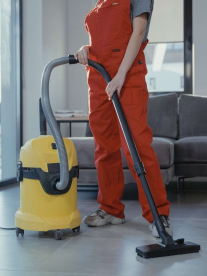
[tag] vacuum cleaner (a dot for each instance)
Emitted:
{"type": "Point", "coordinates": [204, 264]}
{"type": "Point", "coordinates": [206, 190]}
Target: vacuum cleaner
{"type": "Point", "coordinates": [168, 246]}
{"type": "Point", "coordinates": [47, 171]}
{"type": "Point", "coordinates": [48, 188]}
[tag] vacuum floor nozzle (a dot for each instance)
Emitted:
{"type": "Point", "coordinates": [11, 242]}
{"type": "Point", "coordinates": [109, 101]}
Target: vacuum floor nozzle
{"type": "Point", "coordinates": [160, 250]}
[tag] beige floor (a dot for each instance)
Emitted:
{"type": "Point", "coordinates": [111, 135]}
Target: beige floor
{"type": "Point", "coordinates": [108, 250]}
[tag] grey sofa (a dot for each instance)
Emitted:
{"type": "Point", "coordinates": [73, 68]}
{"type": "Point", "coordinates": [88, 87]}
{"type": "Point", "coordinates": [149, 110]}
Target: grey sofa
{"type": "Point", "coordinates": [179, 128]}
{"type": "Point", "coordinates": [191, 147]}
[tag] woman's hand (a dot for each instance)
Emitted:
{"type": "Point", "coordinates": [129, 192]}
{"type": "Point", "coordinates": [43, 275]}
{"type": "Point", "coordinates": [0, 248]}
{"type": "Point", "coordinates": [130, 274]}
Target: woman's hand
{"type": "Point", "coordinates": [115, 84]}
{"type": "Point", "coordinates": [83, 55]}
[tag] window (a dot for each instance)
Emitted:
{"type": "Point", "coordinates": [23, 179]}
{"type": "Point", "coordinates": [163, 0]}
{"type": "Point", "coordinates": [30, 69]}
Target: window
{"type": "Point", "coordinates": [10, 87]}
{"type": "Point", "coordinates": [169, 52]}
{"type": "Point", "coordinates": [165, 64]}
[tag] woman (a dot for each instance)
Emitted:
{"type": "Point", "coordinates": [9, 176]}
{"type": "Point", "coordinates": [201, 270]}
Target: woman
{"type": "Point", "coordinates": [117, 41]}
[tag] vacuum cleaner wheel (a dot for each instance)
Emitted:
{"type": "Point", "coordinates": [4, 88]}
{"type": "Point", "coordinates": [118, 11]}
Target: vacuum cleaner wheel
{"type": "Point", "coordinates": [77, 229]}
{"type": "Point", "coordinates": [19, 231]}
{"type": "Point", "coordinates": [58, 235]}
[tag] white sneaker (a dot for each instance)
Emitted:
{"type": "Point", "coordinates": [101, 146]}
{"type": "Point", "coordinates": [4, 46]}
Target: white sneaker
{"type": "Point", "coordinates": [100, 218]}
{"type": "Point", "coordinates": [168, 228]}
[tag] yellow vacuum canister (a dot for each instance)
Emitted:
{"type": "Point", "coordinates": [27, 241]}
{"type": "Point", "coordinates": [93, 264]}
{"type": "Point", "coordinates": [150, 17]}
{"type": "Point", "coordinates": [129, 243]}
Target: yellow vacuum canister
{"type": "Point", "coordinates": [47, 172]}
{"type": "Point", "coordinates": [42, 206]}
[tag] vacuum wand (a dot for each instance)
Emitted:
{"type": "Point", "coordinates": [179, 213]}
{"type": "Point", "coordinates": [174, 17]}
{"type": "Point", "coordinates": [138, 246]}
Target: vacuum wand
{"type": "Point", "coordinates": [168, 245]}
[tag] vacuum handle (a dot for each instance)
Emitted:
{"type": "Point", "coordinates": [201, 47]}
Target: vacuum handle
{"type": "Point", "coordinates": [73, 60]}
{"type": "Point", "coordinates": [99, 67]}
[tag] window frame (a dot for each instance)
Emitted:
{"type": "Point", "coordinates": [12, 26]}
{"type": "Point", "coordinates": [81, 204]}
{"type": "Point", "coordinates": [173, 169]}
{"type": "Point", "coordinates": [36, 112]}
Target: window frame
{"type": "Point", "coordinates": [188, 57]}
{"type": "Point", "coordinates": [19, 113]}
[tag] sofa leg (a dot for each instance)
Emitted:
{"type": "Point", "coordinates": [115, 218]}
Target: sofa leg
{"type": "Point", "coordinates": [180, 181]}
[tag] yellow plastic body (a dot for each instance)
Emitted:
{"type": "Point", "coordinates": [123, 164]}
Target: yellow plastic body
{"type": "Point", "coordinates": [38, 210]}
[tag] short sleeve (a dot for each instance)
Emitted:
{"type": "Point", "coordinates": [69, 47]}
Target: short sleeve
{"type": "Point", "coordinates": [141, 6]}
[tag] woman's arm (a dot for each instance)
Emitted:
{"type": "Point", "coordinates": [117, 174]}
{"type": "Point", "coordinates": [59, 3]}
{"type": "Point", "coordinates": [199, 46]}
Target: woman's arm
{"type": "Point", "coordinates": [139, 27]}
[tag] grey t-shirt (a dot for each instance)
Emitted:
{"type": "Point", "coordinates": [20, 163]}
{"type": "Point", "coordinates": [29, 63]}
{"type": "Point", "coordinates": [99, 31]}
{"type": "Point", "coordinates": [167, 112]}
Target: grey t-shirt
{"type": "Point", "coordinates": [138, 7]}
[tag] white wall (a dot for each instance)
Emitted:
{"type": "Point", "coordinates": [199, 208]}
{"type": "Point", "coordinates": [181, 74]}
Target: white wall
{"type": "Point", "coordinates": [200, 50]}
{"type": "Point", "coordinates": [32, 66]}
{"type": "Point", "coordinates": [55, 45]}
{"type": "Point", "coordinates": [53, 29]}
{"type": "Point", "coordinates": [77, 82]}
{"type": "Point", "coordinates": [167, 21]}
{"type": "Point", "coordinates": [45, 37]}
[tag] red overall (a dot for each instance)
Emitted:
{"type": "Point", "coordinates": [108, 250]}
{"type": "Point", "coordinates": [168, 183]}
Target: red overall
{"type": "Point", "coordinates": [109, 27]}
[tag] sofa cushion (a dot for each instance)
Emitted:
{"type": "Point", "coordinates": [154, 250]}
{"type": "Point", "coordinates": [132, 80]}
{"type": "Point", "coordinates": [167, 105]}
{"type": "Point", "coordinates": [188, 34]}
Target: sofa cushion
{"type": "Point", "coordinates": [190, 170]}
{"type": "Point", "coordinates": [164, 148]}
{"type": "Point", "coordinates": [163, 115]}
{"type": "Point", "coordinates": [85, 148]}
{"type": "Point", "coordinates": [85, 151]}
{"type": "Point", "coordinates": [88, 132]}
{"type": "Point", "coordinates": [192, 116]}
{"type": "Point", "coordinates": [191, 150]}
